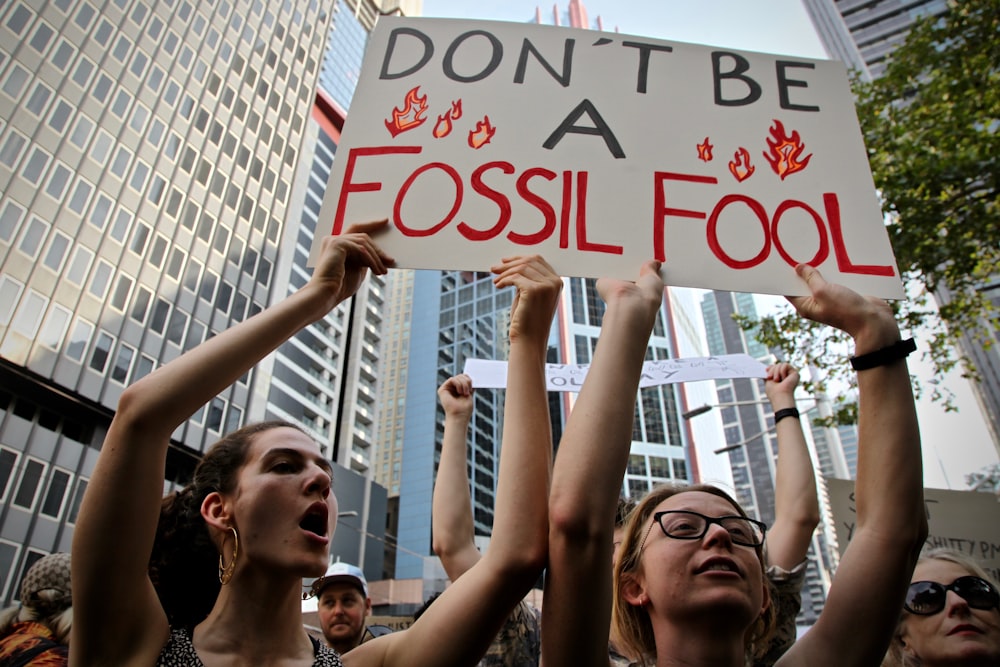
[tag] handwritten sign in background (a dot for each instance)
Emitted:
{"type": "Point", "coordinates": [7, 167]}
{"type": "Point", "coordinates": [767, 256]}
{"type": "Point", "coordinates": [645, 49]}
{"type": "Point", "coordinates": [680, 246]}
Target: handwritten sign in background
{"type": "Point", "coordinates": [486, 373]}
{"type": "Point", "coordinates": [480, 140]}
{"type": "Point", "coordinates": [966, 521]}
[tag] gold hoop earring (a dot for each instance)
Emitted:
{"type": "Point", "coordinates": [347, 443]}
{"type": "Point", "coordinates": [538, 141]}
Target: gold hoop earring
{"type": "Point", "coordinates": [226, 571]}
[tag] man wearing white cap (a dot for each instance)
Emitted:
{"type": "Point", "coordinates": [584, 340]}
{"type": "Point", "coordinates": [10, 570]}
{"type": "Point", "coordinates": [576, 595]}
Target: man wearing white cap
{"type": "Point", "coordinates": [342, 605]}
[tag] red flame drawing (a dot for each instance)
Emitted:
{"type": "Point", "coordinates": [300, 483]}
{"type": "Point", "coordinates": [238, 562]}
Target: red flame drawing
{"type": "Point", "coordinates": [740, 166]}
{"type": "Point", "coordinates": [482, 134]}
{"type": "Point", "coordinates": [410, 116]}
{"type": "Point", "coordinates": [786, 151]}
{"type": "Point", "coordinates": [444, 124]}
{"type": "Point", "coordinates": [705, 151]}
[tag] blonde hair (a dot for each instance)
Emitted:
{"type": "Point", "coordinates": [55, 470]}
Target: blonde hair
{"type": "Point", "coordinates": [896, 656]}
{"type": "Point", "coordinates": [632, 631]}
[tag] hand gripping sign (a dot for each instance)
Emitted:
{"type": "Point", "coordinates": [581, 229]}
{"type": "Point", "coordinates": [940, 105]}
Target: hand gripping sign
{"type": "Point", "coordinates": [480, 140]}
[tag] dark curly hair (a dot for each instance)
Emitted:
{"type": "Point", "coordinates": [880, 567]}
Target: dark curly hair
{"type": "Point", "coordinates": [184, 564]}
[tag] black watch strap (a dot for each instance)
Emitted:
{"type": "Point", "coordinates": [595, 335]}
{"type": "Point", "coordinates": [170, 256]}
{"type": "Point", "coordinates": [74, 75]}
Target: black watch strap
{"type": "Point", "coordinates": [884, 355]}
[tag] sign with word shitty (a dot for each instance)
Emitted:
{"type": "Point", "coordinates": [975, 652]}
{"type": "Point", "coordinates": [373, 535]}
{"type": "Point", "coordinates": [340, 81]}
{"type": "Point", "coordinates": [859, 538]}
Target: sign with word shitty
{"type": "Point", "coordinates": [480, 140]}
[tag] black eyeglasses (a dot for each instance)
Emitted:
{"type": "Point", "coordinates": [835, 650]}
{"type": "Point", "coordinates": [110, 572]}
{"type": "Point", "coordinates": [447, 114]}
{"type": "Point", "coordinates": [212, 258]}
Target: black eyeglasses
{"type": "Point", "coordinates": [928, 597]}
{"type": "Point", "coordinates": [687, 525]}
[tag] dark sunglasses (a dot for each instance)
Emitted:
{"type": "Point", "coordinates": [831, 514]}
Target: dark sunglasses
{"type": "Point", "coordinates": [928, 597]}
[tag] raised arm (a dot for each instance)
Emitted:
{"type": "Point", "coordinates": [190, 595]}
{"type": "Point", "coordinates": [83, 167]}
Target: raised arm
{"type": "Point", "coordinates": [796, 505]}
{"type": "Point", "coordinates": [458, 628]}
{"type": "Point", "coordinates": [451, 510]}
{"type": "Point", "coordinates": [866, 597]}
{"type": "Point", "coordinates": [118, 617]}
{"type": "Point", "coordinates": [587, 477]}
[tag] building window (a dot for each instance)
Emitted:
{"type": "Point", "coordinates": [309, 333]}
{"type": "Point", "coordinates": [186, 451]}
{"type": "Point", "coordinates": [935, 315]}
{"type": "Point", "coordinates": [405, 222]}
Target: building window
{"type": "Point", "coordinates": [123, 363]}
{"type": "Point", "coordinates": [55, 327]}
{"type": "Point", "coordinates": [54, 497]}
{"type": "Point", "coordinates": [141, 305]}
{"type": "Point", "coordinates": [101, 279]}
{"type": "Point", "coordinates": [143, 368]}
{"type": "Point", "coordinates": [29, 315]}
{"type": "Point", "coordinates": [99, 214]}
{"type": "Point", "coordinates": [119, 299]}
{"type": "Point", "coordinates": [158, 251]}
{"type": "Point", "coordinates": [74, 508]}
{"type": "Point", "coordinates": [12, 149]}
{"type": "Point", "coordinates": [35, 165]}
{"type": "Point", "coordinates": [80, 265]}
{"type": "Point", "coordinates": [81, 197]}
{"type": "Point", "coordinates": [27, 489]}
{"type": "Point", "coordinates": [13, 85]}
{"type": "Point", "coordinates": [215, 411]}
{"type": "Point", "coordinates": [58, 180]}
{"type": "Point", "coordinates": [33, 237]}
{"type": "Point", "coordinates": [120, 227]}
{"type": "Point", "coordinates": [38, 99]}
{"type": "Point", "coordinates": [8, 459]}
{"type": "Point", "coordinates": [102, 350]}
{"type": "Point", "coordinates": [79, 339]}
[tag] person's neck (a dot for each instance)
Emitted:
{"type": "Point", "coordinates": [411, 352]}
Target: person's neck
{"type": "Point", "coordinates": [258, 622]}
{"type": "Point", "coordinates": [698, 645]}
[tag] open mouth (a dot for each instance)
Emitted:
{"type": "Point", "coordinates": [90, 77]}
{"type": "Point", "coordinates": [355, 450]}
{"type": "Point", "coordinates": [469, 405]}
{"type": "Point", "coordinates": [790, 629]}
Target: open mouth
{"type": "Point", "coordinates": [316, 520]}
{"type": "Point", "coordinates": [719, 565]}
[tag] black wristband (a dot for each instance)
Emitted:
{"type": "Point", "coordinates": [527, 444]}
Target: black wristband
{"type": "Point", "coordinates": [884, 355]}
{"type": "Point", "coordinates": [785, 412]}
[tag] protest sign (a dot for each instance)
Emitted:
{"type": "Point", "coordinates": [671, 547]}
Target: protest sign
{"type": "Point", "coordinates": [966, 521]}
{"type": "Point", "coordinates": [481, 140]}
{"type": "Point", "coordinates": [489, 374]}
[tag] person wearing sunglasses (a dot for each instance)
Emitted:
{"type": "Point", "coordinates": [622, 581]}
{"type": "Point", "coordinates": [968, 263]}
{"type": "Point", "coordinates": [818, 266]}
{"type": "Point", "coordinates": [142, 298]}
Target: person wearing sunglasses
{"type": "Point", "coordinates": [951, 616]}
{"type": "Point", "coordinates": [690, 585]}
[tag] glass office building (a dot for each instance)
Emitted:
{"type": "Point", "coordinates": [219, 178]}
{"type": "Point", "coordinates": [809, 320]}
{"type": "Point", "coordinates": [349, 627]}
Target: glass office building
{"type": "Point", "coordinates": [148, 160]}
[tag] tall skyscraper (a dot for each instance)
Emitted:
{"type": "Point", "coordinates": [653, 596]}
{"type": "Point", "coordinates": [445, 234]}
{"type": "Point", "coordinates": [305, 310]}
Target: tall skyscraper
{"type": "Point", "coordinates": [876, 28]}
{"type": "Point", "coordinates": [148, 154]}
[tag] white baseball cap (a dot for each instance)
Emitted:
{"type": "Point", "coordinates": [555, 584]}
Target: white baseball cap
{"type": "Point", "coordinates": [339, 571]}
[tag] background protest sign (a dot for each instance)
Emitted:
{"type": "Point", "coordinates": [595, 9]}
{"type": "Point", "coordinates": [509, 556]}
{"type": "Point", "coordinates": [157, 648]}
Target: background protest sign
{"type": "Point", "coordinates": [966, 521]}
{"type": "Point", "coordinates": [482, 139]}
{"type": "Point", "coordinates": [489, 374]}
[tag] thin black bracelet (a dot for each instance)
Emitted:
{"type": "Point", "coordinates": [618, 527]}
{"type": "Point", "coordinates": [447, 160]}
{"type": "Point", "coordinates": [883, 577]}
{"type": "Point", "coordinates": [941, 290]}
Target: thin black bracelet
{"type": "Point", "coordinates": [884, 355]}
{"type": "Point", "coordinates": [785, 412]}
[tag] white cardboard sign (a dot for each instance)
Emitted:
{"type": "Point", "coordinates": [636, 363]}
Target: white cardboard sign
{"type": "Point", "coordinates": [966, 521]}
{"type": "Point", "coordinates": [480, 140]}
{"type": "Point", "coordinates": [489, 374]}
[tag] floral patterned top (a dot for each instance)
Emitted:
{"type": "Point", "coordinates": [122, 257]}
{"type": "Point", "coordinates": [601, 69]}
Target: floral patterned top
{"type": "Point", "coordinates": [179, 652]}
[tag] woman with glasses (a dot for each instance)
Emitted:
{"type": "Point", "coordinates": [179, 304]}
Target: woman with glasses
{"type": "Point", "coordinates": [690, 587]}
{"type": "Point", "coordinates": [950, 617]}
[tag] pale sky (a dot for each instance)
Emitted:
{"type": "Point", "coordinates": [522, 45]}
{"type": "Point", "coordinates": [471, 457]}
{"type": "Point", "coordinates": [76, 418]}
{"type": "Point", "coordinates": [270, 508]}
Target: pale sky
{"type": "Point", "coordinates": [954, 444]}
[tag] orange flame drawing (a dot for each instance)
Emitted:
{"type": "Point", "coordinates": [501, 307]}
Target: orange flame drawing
{"type": "Point", "coordinates": [482, 134]}
{"type": "Point", "coordinates": [786, 151]}
{"type": "Point", "coordinates": [740, 166]}
{"type": "Point", "coordinates": [443, 127]}
{"type": "Point", "coordinates": [410, 116]}
{"type": "Point", "coordinates": [444, 124]}
{"type": "Point", "coordinates": [705, 151]}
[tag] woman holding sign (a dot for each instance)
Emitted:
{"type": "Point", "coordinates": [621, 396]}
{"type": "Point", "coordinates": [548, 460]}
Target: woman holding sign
{"type": "Point", "coordinates": [690, 585]}
{"type": "Point", "coordinates": [262, 507]}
